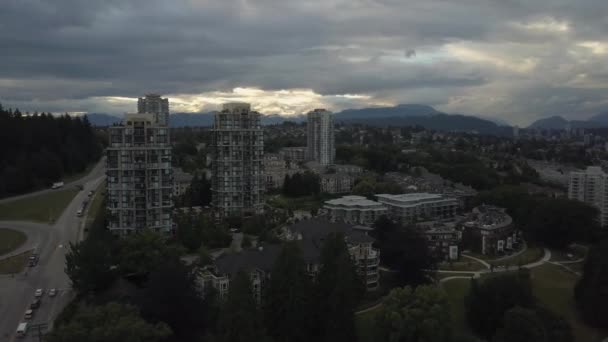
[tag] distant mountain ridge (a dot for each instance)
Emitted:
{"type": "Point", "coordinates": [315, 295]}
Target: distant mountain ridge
{"type": "Point", "coordinates": [558, 122]}
{"type": "Point", "coordinates": [401, 115]}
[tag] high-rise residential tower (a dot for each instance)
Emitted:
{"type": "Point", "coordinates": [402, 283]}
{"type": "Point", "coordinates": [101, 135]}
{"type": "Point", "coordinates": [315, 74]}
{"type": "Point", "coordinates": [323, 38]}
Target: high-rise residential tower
{"type": "Point", "coordinates": [320, 127]}
{"type": "Point", "coordinates": [237, 183]}
{"type": "Point", "coordinates": [591, 186]}
{"type": "Point", "coordinates": [155, 104]}
{"type": "Point", "coordinates": [139, 174]}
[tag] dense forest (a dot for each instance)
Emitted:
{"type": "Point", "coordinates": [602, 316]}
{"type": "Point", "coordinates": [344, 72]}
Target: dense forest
{"type": "Point", "coordinates": [38, 149]}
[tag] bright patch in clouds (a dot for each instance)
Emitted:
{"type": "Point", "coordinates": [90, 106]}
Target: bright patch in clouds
{"type": "Point", "coordinates": [597, 48]}
{"type": "Point", "coordinates": [285, 102]}
{"type": "Point", "coordinates": [548, 24]}
{"type": "Point", "coordinates": [469, 54]}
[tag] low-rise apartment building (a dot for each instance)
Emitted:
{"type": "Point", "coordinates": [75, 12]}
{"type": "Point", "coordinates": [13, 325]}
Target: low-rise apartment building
{"type": "Point", "coordinates": [419, 206]}
{"type": "Point", "coordinates": [294, 154]}
{"type": "Point", "coordinates": [309, 235]}
{"type": "Point", "coordinates": [337, 183]}
{"type": "Point", "coordinates": [182, 181]}
{"type": "Point", "coordinates": [489, 230]}
{"type": "Point", "coordinates": [354, 210]}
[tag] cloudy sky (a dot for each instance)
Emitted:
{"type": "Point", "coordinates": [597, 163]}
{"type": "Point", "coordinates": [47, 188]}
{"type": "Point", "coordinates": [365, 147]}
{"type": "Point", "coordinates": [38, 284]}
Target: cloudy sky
{"type": "Point", "coordinates": [517, 60]}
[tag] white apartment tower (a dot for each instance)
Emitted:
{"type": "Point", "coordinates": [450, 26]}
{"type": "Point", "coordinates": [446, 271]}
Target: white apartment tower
{"type": "Point", "coordinates": [591, 186]}
{"type": "Point", "coordinates": [237, 183]}
{"type": "Point", "coordinates": [155, 104]}
{"type": "Point", "coordinates": [139, 175]}
{"type": "Point", "coordinates": [320, 138]}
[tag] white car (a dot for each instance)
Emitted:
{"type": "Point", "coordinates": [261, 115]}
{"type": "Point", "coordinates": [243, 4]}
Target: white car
{"type": "Point", "coordinates": [38, 293]}
{"type": "Point", "coordinates": [52, 292]}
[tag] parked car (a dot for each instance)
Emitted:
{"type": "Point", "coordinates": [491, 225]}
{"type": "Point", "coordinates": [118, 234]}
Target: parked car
{"type": "Point", "coordinates": [33, 260]}
{"type": "Point", "coordinates": [29, 314]}
{"type": "Point", "coordinates": [38, 293]}
{"type": "Point", "coordinates": [35, 304]}
{"type": "Point", "coordinates": [57, 185]}
{"type": "Point", "coordinates": [52, 292]}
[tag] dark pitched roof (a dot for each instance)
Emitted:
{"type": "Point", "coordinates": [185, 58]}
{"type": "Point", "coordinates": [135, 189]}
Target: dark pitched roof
{"type": "Point", "coordinates": [248, 259]}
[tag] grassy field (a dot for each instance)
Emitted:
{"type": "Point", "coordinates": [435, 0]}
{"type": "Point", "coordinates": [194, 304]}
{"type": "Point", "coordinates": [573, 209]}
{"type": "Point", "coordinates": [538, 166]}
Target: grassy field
{"type": "Point", "coordinates": [554, 287]}
{"type": "Point", "coordinates": [45, 208]}
{"type": "Point", "coordinates": [364, 324]}
{"type": "Point", "coordinates": [10, 240]}
{"type": "Point", "coordinates": [456, 289]}
{"type": "Point", "coordinates": [530, 255]}
{"type": "Point", "coordinates": [14, 264]}
{"type": "Point", "coordinates": [464, 264]}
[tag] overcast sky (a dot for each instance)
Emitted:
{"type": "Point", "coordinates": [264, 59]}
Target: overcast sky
{"type": "Point", "coordinates": [517, 60]}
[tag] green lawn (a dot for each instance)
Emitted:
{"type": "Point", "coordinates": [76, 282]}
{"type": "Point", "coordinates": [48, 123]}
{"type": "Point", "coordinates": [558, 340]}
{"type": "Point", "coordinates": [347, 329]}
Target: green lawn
{"type": "Point", "coordinates": [10, 240]}
{"type": "Point", "coordinates": [464, 264]}
{"type": "Point", "coordinates": [531, 254]}
{"type": "Point", "coordinates": [456, 289]}
{"type": "Point", "coordinates": [364, 324]}
{"type": "Point", "coordinates": [554, 286]}
{"type": "Point", "coordinates": [14, 264]}
{"type": "Point", "coordinates": [77, 176]}
{"type": "Point", "coordinates": [44, 208]}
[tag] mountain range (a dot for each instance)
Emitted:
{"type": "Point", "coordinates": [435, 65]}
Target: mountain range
{"type": "Point", "coordinates": [400, 115]}
{"type": "Point", "coordinates": [558, 122]}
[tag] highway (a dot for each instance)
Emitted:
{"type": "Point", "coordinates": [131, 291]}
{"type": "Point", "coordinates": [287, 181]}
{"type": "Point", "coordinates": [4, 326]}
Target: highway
{"type": "Point", "coordinates": [51, 241]}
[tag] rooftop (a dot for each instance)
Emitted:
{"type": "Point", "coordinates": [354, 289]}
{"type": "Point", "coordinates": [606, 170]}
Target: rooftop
{"type": "Point", "coordinates": [354, 201]}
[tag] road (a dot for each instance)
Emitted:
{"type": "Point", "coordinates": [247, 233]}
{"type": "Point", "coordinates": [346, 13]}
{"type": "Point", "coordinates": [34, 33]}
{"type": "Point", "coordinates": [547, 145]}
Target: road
{"type": "Point", "coordinates": [98, 170]}
{"type": "Point", "coordinates": [16, 293]}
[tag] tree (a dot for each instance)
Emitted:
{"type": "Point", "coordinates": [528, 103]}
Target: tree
{"type": "Point", "coordinates": [406, 251]}
{"type": "Point", "coordinates": [90, 265]}
{"type": "Point", "coordinates": [486, 303]}
{"type": "Point", "coordinates": [420, 315]}
{"type": "Point", "coordinates": [108, 323]}
{"type": "Point", "coordinates": [287, 309]}
{"type": "Point", "coordinates": [521, 324]}
{"type": "Point", "coordinates": [240, 319]}
{"type": "Point", "coordinates": [204, 258]}
{"type": "Point", "coordinates": [171, 295]}
{"type": "Point", "coordinates": [559, 222]}
{"type": "Point", "coordinates": [338, 290]}
{"type": "Point", "coordinates": [591, 291]}
{"type": "Point", "coordinates": [142, 253]}
{"type": "Point", "coordinates": [364, 188]}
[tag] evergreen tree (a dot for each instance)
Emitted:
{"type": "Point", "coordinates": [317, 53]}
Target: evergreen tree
{"type": "Point", "coordinates": [338, 290]}
{"type": "Point", "coordinates": [240, 319]}
{"type": "Point", "coordinates": [287, 310]}
{"type": "Point", "coordinates": [591, 291]}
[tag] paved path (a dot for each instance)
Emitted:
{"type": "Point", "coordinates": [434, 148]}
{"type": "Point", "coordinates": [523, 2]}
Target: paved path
{"type": "Point", "coordinates": [483, 262]}
{"type": "Point", "coordinates": [443, 280]}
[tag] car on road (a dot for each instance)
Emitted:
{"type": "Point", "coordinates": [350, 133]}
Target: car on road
{"type": "Point", "coordinates": [57, 185]}
{"type": "Point", "coordinates": [90, 193]}
{"type": "Point", "coordinates": [52, 292]}
{"type": "Point", "coordinates": [33, 260]}
{"type": "Point", "coordinates": [79, 212]}
{"type": "Point", "coordinates": [35, 304]}
{"type": "Point", "coordinates": [29, 314]}
{"type": "Point", "coordinates": [38, 293]}
{"type": "Point", "coordinates": [21, 329]}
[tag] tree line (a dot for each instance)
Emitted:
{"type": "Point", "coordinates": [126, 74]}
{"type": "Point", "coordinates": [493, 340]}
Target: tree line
{"type": "Point", "coordinates": [40, 148]}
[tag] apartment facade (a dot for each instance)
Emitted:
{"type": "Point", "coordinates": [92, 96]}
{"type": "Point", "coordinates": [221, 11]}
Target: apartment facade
{"type": "Point", "coordinates": [354, 210]}
{"type": "Point", "coordinates": [156, 105]}
{"type": "Point", "coordinates": [293, 154]}
{"type": "Point", "coordinates": [591, 186]}
{"type": "Point", "coordinates": [139, 175]}
{"type": "Point", "coordinates": [237, 181]}
{"type": "Point", "coordinates": [320, 136]}
{"type": "Point", "coordinates": [308, 234]}
{"type": "Point", "coordinates": [181, 182]}
{"type": "Point", "coordinates": [416, 206]}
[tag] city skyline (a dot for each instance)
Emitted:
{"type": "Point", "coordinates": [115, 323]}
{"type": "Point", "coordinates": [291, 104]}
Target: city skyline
{"type": "Point", "coordinates": [509, 60]}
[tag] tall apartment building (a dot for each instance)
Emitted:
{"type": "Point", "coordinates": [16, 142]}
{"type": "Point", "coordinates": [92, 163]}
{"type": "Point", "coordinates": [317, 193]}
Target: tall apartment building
{"type": "Point", "coordinates": [591, 186]}
{"type": "Point", "coordinates": [238, 178]}
{"type": "Point", "coordinates": [156, 105]}
{"type": "Point", "coordinates": [139, 175]}
{"type": "Point", "coordinates": [320, 138]}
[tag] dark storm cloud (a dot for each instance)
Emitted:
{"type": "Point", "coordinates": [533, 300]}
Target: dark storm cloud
{"type": "Point", "coordinates": [498, 57]}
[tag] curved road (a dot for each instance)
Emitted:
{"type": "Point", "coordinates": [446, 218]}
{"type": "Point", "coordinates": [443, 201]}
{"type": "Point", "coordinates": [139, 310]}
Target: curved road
{"type": "Point", "coordinates": [17, 292]}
